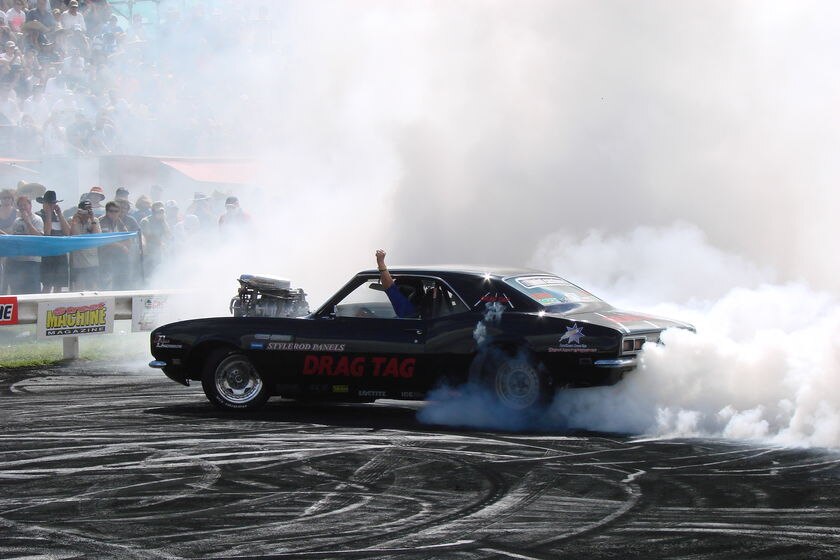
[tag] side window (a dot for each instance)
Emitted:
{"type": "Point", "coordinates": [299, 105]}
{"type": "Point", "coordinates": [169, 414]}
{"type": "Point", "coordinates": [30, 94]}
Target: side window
{"type": "Point", "coordinates": [368, 300]}
{"type": "Point", "coordinates": [440, 300]}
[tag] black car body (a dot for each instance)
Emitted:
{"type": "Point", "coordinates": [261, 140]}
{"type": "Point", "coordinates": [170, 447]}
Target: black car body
{"type": "Point", "coordinates": [521, 332]}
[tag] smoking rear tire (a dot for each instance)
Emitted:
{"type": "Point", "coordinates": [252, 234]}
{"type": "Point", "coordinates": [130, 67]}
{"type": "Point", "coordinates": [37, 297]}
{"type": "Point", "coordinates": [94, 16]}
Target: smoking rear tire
{"type": "Point", "coordinates": [516, 381]}
{"type": "Point", "coordinates": [231, 382]}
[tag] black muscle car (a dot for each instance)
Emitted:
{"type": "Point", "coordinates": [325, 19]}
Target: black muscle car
{"type": "Point", "coordinates": [521, 333]}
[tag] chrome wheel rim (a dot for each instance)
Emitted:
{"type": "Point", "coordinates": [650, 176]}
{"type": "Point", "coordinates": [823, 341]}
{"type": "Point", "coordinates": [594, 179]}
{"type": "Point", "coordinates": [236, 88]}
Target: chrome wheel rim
{"type": "Point", "coordinates": [237, 381]}
{"type": "Point", "coordinates": [517, 385]}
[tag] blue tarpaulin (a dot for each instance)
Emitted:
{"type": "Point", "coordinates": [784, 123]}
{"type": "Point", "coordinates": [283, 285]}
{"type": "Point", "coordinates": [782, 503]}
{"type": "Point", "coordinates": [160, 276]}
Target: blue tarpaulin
{"type": "Point", "coordinates": [48, 246]}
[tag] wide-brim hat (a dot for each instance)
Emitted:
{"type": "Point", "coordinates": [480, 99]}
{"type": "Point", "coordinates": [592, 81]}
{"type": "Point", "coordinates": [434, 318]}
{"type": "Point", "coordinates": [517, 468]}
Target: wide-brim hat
{"type": "Point", "coordinates": [96, 193]}
{"type": "Point", "coordinates": [35, 25]}
{"type": "Point", "coordinates": [49, 197]}
{"type": "Point", "coordinates": [31, 190]}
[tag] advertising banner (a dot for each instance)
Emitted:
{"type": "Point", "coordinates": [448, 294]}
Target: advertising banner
{"type": "Point", "coordinates": [8, 310]}
{"type": "Point", "coordinates": [75, 317]}
{"type": "Point", "coordinates": [145, 312]}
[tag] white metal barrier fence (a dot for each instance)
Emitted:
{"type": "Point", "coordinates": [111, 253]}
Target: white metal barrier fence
{"type": "Point", "coordinates": [68, 315]}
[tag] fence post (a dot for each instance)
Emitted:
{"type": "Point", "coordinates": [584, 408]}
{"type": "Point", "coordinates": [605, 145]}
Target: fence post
{"type": "Point", "coordinates": [71, 347]}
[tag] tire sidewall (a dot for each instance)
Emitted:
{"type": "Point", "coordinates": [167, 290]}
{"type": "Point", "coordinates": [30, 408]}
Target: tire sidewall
{"type": "Point", "coordinates": [208, 382]}
{"type": "Point", "coordinates": [492, 369]}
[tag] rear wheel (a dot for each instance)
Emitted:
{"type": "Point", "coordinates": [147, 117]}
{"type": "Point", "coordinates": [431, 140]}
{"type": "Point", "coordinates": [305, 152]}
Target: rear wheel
{"type": "Point", "coordinates": [231, 382]}
{"type": "Point", "coordinates": [515, 379]}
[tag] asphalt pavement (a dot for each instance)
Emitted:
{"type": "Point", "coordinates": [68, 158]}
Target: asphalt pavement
{"type": "Point", "coordinates": [116, 461]}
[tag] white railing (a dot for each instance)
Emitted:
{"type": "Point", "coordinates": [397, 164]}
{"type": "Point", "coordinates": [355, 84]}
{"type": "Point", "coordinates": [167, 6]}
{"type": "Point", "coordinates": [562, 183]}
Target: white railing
{"type": "Point", "coordinates": [47, 310]}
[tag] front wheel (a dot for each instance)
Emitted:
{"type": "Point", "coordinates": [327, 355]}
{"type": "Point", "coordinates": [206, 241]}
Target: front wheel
{"type": "Point", "coordinates": [231, 382]}
{"type": "Point", "coordinates": [517, 382]}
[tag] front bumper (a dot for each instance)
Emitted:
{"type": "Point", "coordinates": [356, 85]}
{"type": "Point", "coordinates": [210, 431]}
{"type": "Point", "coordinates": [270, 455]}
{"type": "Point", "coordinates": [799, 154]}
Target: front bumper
{"type": "Point", "coordinates": [172, 372]}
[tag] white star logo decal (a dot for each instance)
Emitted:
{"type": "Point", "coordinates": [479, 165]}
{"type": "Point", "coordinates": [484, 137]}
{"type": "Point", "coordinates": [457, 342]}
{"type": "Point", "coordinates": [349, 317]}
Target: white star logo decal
{"type": "Point", "coordinates": [573, 334]}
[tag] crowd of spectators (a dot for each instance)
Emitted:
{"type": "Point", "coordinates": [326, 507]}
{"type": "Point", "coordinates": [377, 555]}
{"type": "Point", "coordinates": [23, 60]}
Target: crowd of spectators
{"type": "Point", "coordinates": [78, 78]}
{"type": "Point", "coordinates": [164, 231]}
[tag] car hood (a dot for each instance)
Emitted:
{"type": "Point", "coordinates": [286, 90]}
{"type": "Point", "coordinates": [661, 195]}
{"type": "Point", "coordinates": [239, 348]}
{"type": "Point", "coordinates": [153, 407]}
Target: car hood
{"type": "Point", "coordinates": [626, 321]}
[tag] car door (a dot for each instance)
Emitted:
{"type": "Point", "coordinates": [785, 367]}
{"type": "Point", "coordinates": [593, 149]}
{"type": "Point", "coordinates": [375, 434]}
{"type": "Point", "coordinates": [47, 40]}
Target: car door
{"type": "Point", "coordinates": [360, 345]}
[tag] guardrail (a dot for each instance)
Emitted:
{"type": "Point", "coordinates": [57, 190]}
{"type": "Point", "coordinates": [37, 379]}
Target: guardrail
{"type": "Point", "coordinates": [68, 315]}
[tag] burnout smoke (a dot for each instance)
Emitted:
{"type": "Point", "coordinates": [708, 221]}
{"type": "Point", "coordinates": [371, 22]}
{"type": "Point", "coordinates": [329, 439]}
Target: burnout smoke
{"type": "Point", "coordinates": [764, 364]}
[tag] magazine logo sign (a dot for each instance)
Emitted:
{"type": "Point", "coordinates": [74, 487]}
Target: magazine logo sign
{"type": "Point", "coordinates": [75, 317]}
{"type": "Point", "coordinates": [8, 310]}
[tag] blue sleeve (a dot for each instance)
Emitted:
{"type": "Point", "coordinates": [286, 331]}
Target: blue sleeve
{"type": "Point", "coordinates": [402, 307]}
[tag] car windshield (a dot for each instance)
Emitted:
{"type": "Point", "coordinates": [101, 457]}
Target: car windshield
{"type": "Point", "coordinates": [551, 291]}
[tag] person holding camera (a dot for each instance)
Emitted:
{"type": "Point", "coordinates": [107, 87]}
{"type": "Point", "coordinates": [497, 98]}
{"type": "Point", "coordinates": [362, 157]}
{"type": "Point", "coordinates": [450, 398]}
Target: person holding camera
{"type": "Point", "coordinates": [84, 264]}
{"type": "Point", "coordinates": [53, 269]}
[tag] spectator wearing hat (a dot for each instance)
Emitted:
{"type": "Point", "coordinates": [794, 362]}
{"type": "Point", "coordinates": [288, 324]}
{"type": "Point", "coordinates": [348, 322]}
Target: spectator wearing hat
{"type": "Point", "coordinates": [72, 18]}
{"type": "Point", "coordinates": [84, 263]}
{"type": "Point", "coordinates": [96, 195]}
{"type": "Point", "coordinates": [142, 208]}
{"type": "Point", "coordinates": [121, 194]}
{"type": "Point", "coordinates": [156, 236]}
{"type": "Point", "coordinates": [234, 217]}
{"type": "Point", "coordinates": [53, 268]}
{"type": "Point", "coordinates": [24, 272]}
{"type": "Point", "coordinates": [10, 52]}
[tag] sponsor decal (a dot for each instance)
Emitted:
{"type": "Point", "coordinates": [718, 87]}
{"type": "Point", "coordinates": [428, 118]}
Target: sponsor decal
{"type": "Point", "coordinates": [146, 312]}
{"type": "Point", "coordinates": [360, 366]}
{"type": "Point", "coordinates": [545, 298]}
{"type": "Point", "coordinates": [69, 318]}
{"type": "Point", "coordinates": [570, 341]}
{"type": "Point", "coordinates": [372, 393]}
{"type": "Point", "coordinates": [161, 341]}
{"type": "Point", "coordinates": [571, 348]}
{"type": "Point", "coordinates": [340, 388]}
{"type": "Point", "coordinates": [573, 334]}
{"type": "Point", "coordinates": [306, 347]}
{"type": "Point", "coordinates": [8, 310]}
{"type": "Point", "coordinates": [411, 395]}
{"type": "Point", "coordinates": [257, 346]}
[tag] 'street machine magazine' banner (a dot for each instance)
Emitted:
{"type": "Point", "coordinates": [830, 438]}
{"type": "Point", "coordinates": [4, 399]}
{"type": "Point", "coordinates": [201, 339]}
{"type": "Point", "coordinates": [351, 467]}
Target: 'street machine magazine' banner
{"type": "Point", "coordinates": [75, 317]}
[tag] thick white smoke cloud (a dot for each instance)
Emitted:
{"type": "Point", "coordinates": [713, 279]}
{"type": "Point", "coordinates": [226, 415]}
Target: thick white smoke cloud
{"type": "Point", "coordinates": [764, 364]}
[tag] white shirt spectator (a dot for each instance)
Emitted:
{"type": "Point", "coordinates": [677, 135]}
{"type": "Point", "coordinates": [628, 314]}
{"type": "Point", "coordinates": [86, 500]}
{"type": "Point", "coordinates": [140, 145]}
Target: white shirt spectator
{"type": "Point", "coordinates": [15, 18]}
{"type": "Point", "coordinates": [70, 22]}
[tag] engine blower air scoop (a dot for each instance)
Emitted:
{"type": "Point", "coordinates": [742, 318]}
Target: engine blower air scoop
{"type": "Point", "coordinates": [265, 282]}
{"type": "Point", "coordinates": [263, 295]}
